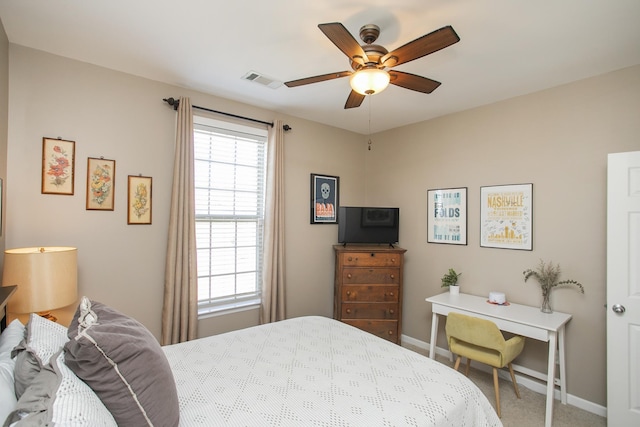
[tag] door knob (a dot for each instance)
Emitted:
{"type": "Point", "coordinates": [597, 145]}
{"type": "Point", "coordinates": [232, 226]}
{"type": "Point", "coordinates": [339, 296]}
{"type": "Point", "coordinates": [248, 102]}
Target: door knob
{"type": "Point", "coordinates": [618, 308]}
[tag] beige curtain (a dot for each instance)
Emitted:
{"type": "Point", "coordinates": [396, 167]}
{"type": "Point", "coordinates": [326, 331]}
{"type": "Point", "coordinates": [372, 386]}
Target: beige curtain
{"type": "Point", "coordinates": [180, 309]}
{"type": "Point", "coordinates": [273, 287]}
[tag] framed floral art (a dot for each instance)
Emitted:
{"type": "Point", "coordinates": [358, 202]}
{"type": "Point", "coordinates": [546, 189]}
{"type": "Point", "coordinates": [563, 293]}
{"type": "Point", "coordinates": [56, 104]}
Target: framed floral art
{"type": "Point", "coordinates": [58, 166]}
{"type": "Point", "coordinates": [139, 200]}
{"type": "Point", "coordinates": [101, 176]}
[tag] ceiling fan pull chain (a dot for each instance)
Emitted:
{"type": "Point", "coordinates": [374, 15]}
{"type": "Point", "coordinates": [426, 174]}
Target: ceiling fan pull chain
{"type": "Point", "coordinates": [369, 141]}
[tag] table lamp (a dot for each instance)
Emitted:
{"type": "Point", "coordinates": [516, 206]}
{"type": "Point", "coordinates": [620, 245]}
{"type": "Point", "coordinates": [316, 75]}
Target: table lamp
{"type": "Point", "coordinates": [47, 279]}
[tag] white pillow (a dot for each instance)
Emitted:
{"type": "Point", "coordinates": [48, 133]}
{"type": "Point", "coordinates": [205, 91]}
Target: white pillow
{"type": "Point", "coordinates": [58, 397]}
{"type": "Point", "coordinates": [11, 337]}
{"type": "Point", "coordinates": [43, 338]}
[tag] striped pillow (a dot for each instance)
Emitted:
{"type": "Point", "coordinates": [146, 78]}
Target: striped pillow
{"type": "Point", "coordinates": [57, 397]}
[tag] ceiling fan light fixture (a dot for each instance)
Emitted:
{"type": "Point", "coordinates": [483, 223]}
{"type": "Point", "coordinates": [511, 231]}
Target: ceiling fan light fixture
{"type": "Point", "coordinates": [369, 81]}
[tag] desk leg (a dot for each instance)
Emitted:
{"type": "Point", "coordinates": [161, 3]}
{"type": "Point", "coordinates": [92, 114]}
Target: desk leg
{"type": "Point", "coordinates": [434, 336]}
{"type": "Point", "coordinates": [551, 375]}
{"type": "Point", "coordinates": [563, 377]}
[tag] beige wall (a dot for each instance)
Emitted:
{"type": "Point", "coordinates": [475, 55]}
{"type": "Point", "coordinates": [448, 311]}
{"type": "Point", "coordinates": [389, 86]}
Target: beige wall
{"type": "Point", "coordinates": [558, 140]}
{"type": "Point", "coordinates": [4, 100]}
{"type": "Point", "coordinates": [122, 117]}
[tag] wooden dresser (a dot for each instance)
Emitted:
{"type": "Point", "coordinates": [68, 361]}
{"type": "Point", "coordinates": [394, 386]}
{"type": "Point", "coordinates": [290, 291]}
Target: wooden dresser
{"type": "Point", "coordinates": [368, 288]}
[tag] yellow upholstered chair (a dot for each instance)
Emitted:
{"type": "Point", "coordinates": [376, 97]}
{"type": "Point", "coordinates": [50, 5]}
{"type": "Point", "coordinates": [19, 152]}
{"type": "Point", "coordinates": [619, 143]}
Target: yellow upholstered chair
{"type": "Point", "coordinates": [481, 340]}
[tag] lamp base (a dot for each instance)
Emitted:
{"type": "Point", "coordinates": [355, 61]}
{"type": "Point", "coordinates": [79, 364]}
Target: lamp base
{"type": "Point", "coordinates": [47, 315]}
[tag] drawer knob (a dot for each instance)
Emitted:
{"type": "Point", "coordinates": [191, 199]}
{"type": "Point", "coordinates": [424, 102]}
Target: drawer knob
{"type": "Point", "coordinates": [390, 294]}
{"type": "Point", "coordinates": [393, 276]}
{"type": "Point", "coordinates": [390, 332]}
{"type": "Point", "coordinates": [372, 254]}
{"type": "Point", "coordinates": [391, 311]}
{"type": "Point", "coordinates": [393, 260]}
{"type": "Point", "coordinates": [349, 275]}
{"type": "Point", "coordinates": [348, 292]}
{"type": "Point", "coordinates": [348, 311]}
{"type": "Point", "coordinates": [349, 258]}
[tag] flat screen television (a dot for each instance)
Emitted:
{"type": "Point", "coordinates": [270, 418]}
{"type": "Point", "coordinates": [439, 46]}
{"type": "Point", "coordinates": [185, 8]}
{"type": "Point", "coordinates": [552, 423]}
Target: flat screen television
{"type": "Point", "coordinates": [368, 224]}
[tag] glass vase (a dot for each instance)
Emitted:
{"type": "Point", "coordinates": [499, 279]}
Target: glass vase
{"type": "Point", "coordinates": [546, 302]}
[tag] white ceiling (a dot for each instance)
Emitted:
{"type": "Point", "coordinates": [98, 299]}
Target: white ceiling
{"type": "Point", "coordinates": [507, 48]}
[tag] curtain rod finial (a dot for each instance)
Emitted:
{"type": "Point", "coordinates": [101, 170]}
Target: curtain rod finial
{"type": "Point", "coordinates": [173, 102]}
{"type": "Point", "coordinates": [286, 128]}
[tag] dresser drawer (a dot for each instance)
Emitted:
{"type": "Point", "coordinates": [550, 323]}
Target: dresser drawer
{"type": "Point", "coordinates": [387, 329]}
{"type": "Point", "coordinates": [370, 275]}
{"type": "Point", "coordinates": [374, 293]}
{"type": "Point", "coordinates": [370, 310]}
{"type": "Point", "coordinates": [373, 259]}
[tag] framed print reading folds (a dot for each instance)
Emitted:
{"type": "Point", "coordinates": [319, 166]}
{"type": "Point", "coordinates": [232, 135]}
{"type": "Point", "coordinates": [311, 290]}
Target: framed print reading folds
{"type": "Point", "coordinates": [447, 216]}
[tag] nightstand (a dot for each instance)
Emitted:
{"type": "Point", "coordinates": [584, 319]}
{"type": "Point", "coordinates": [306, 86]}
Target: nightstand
{"type": "Point", "coordinates": [5, 293]}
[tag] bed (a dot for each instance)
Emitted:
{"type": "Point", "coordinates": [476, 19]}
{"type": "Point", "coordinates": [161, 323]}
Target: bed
{"type": "Point", "coordinates": [306, 371]}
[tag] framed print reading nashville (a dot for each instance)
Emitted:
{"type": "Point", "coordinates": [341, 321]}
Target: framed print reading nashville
{"type": "Point", "coordinates": [506, 217]}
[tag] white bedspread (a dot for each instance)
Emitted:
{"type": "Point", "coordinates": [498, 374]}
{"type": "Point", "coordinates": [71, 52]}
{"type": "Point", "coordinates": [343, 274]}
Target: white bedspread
{"type": "Point", "coordinates": [314, 371]}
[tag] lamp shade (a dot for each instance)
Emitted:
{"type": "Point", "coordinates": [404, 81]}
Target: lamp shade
{"type": "Point", "coordinates": [47, 278]}
{"type": "Point", "coordinates": [369, 81]}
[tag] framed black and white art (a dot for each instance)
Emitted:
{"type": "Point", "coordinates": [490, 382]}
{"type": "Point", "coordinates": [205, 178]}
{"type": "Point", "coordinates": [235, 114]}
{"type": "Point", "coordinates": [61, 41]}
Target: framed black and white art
{"type": "Point", "coordinates": [325, 192]}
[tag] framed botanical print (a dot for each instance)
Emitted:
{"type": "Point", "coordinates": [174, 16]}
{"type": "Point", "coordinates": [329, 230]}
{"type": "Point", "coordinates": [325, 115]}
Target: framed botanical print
{"type": "Point", "coordinates": [324, 199]}
{"type": "Point", "coordinates": [101, 176]}
{"type": "Point", "coordinates": [58, 166]}
{"type": "Point", "coordinates": [139, 200]}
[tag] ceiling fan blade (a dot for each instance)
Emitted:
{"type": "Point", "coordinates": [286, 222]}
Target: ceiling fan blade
{"type": "Point", "coordinates": [413, 82]}
{"type": "Point", "coordinates": [338, 34]}
{"type": "Point", "coordinates": [425, 45]}
{"type": "Point", "coordinates": [354, 100]}
{"type": "Point", "coordinates": [317, 79]}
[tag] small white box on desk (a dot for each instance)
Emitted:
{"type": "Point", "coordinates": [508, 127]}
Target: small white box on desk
{"type": "Point", "coordinates": [497, 297]}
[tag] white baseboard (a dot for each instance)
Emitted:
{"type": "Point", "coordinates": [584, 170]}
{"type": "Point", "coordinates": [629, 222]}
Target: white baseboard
{"type": "Point", "coordinates": [530, 379]}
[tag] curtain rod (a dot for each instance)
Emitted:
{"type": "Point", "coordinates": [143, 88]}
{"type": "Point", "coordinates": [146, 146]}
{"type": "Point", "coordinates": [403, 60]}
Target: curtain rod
{"type": "Point", "coordinates": [176, 102]}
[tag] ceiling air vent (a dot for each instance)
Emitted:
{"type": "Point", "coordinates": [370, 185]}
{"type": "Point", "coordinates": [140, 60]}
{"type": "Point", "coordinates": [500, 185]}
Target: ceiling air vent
{"type": "Point", "coordinates": [252, 76]}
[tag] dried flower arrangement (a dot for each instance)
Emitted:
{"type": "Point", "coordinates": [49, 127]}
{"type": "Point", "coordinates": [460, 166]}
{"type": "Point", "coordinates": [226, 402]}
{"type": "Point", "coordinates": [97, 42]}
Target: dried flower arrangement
{"type": "Point", "coordinates": [548, 276]}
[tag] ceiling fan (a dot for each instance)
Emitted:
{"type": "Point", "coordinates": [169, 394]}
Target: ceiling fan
{"type": "Point", "coordinates": [370, 61]}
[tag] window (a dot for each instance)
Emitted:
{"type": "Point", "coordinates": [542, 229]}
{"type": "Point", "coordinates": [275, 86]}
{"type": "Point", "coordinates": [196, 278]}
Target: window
{"type": "Point", "coordinates": [229, 201]}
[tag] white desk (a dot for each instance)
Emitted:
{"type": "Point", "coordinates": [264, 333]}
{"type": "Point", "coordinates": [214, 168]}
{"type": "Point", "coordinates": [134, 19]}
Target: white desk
{"type": "Point", "coordinates": [515, 318]}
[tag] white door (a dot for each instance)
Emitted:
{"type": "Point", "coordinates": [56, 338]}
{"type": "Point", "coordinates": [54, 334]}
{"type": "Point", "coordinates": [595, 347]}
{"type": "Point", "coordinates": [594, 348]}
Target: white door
{"type": "Point", "coordinates": [623, 290]}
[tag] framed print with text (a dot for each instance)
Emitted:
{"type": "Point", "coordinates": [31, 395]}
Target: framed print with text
{"type": "Point", "coordinates": [101, 177]}
{"type": "Point", "coordinates": [58, 166]}
{"type": "Point", "coordinates": [447, 216]}
{"type": "Point", "coordinates": [506, 217]}
{"type": "Point", "coordinates": [324, 199]}
{"type": "Point", "coordinates": [139, 200]}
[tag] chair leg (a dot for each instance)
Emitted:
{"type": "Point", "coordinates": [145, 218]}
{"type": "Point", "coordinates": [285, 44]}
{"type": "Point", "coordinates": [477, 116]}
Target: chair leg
{"type": "Point", "coordinates": [457, 365]}
{"type": "Point", "coordinates": [495, 386]}
{"type": "Point", "coordinates": [513, 378]}
{"type": "Point", "coordinates": [466, 371]}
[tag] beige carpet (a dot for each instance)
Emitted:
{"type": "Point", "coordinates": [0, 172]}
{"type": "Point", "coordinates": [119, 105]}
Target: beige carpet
{"type": "Point", "coordinates": [530, 409]}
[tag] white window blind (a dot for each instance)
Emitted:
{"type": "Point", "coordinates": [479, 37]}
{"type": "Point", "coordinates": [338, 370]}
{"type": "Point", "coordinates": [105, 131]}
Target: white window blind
{"type": "Point", "coordinates": [229, 202]}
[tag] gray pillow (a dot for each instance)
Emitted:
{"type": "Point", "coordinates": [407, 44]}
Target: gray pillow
{"type": "Point", "coordinates": [124, 365]}
{"type": "Point", "coordinates": [57, 397]}
{"type": "Point", "coordinates": [43, 338]}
